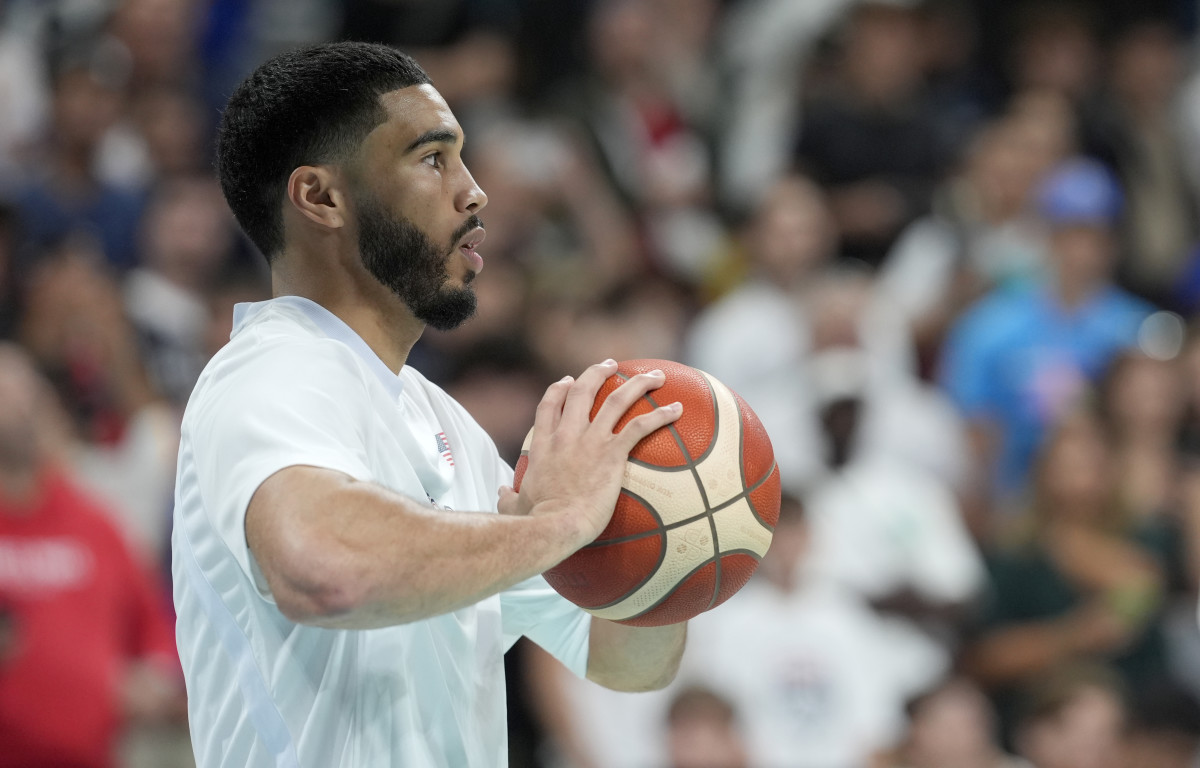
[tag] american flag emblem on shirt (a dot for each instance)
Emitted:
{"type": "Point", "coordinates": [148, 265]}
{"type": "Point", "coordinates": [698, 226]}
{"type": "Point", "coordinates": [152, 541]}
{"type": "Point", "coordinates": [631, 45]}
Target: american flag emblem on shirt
{"type": "Point", "coordinates": [443, 446]}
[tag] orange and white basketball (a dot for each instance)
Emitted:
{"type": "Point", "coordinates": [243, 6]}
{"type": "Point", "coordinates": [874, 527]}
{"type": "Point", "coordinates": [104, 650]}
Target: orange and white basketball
{"type": "Point", "coordinates": [697, 509]}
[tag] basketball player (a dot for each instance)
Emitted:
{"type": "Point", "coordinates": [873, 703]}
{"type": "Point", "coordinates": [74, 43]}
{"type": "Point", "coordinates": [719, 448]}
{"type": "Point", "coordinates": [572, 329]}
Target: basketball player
{"type": "Point", "coordinates": [345, 591]}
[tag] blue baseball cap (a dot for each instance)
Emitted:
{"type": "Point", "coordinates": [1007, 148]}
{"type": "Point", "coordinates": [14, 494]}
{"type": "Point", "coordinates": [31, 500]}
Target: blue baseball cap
{"type": "Point", "coordinates": [1080, 191]}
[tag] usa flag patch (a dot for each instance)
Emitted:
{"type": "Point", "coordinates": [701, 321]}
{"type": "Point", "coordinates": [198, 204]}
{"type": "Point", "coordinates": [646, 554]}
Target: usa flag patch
{"type": "Point", "coordinates": [443, 446]}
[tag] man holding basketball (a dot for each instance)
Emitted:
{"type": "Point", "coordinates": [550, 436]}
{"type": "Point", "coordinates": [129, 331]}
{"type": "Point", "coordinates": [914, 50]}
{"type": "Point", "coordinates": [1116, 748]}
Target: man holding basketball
{"type": "Point", "coordinates": [334, 607]}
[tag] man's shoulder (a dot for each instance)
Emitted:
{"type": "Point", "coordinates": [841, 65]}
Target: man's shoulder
{"type": "Point", "coordinates": [1002, 314]}
{"type": "Point", "coordinates": [274, 358]}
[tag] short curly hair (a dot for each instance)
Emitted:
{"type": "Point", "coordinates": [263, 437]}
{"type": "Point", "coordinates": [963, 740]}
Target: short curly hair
{"type": "Point", "coordinates": [304, 107]}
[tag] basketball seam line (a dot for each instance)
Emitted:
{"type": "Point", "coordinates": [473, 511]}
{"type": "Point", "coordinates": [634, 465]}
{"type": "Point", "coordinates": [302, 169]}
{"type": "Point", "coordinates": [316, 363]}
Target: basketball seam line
{"type": "Point", "coordinates": [663, 528]}
{"type": "Point", "coordinates": [691, 464]}
{"type": "Point", "coordinates": [716, 559]}
{"type": "Point", "coordinates": [709, 511]}
{"type": "Point", "coordinates": [662, 555]}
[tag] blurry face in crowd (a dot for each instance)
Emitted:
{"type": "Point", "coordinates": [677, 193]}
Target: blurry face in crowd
{"type": "Point", "coordinates": [1082, 254]}
{"type": "Point", "coordinates": [1043, 127]}
{"type": "Point", "coordinates": [84, 109]}
{"type": "Point", "coordinates": [1077, 467]}
{"type": "Point", "coordinates": [188, 232]}
{"type": "Point", "coordinates": [883, 55]}
{"type": "Point", "coordinates": [1146, 395]}
{"type": "Point", "coordinates": [159, 35]}
{"type": "Point", "coordinates": [416, 208]}
{"type": "Point", "coordinates": [172, 122]}
{"type": "Point", "coordinates": [702, 732]}
{"type": "Point", "coordinates": [1147, 66]}
{"type": "Point", "coordinates": [951, 727]}
{"type": "Point", "coordinates": [622, 38]}
{"type": "Point", "coordinates": [705, 742]}
{"type": "Point", "coordinates": [793, 231]}
{"type": "Point", "coordinates": [788, 546]}
{"type": "Point", "coordinates": [1003, 171]}
{"type": "Point", "coordinates": [1084, 734]}
{"type": "Point", "coordinates": [1058, 53]}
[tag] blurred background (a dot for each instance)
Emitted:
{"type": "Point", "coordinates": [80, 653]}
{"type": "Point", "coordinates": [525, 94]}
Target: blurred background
{"type": "Point", "coordinates": [949, 251]}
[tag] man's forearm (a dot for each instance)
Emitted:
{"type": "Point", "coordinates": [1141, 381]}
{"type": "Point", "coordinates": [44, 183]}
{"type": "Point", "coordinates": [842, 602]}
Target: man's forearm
{"type": "Point", "coordinates": [626, 658]}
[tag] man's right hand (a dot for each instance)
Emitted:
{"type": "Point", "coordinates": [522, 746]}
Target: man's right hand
{"type": "Point", "coordinates": [576, 464]}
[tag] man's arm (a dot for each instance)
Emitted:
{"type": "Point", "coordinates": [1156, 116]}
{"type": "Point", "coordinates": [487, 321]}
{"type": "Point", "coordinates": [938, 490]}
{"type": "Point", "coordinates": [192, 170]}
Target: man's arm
{"type": "Point", "coordinates": [626, 658]}
{"type": "Point", "coordinates": [337, 552]}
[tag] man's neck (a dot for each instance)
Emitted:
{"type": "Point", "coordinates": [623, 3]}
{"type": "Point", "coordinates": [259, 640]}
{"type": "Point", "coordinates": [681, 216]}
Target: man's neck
{"type": "Point", "coordinates": [370, 309]}
{"type": "Point", "coordinates": [1072, 296]}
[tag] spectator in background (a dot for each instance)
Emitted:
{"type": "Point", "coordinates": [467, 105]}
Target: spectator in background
{"type": "Point", "coordinates": [756, 338]}
{"type": "Point", "coordinates": [466, 46]}
{"type": "Point", "coordinates": [187, 239]}
{"type": "Point", "coordinates": [174, 126]}
{"type": "Point", "coordinates": [655, 153]}
{"type": "Point", "coordinates": [818, 678]}
{"type": "Point", "coordinates": [884, 525]}
{"type": "Point", "coordinates": [872, 141]}
{"type": "Point", "coordinates": [641, 318]}
{"type": "Point", "coordinates": [765, 45]}
{"type": "Point", "coordinates": [952, 725]}
{"type": "Point", "coordinates": [87, 644]}
{"type": "Point", "coordinates": [161, 38]}
{"type": "Point", "coordinates": [1018, 358]}
{"type": "Point", "coordinates": [1136, 129]}
{"type": "Point", "coordinates": [1055, 49]}
{"type": "Point", "coordinates": [65, 194]}
{"type": "Point", "coordinates": [1078, 582]}
{"type": "Point", "coordinates": [703, 731]}
{"type": "Point", "coordinates": [121, 438]}
{"type": "Point", "coordinates": [981, 235]}
{"type": "Point", "coordinates": [1074, 718]}
{"type": "Point", "coordinates": [815, 676]}
{"type": "Point", "coordinates": [1142, 400]}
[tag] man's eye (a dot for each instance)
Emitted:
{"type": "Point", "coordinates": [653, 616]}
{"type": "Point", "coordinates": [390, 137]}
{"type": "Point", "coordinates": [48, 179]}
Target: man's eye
{"type": "Point", "coordinates": [434, 160]}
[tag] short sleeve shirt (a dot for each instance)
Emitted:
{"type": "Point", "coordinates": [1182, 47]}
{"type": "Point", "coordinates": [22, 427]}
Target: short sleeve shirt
{"type": "Point", "coordinates": [296, 386]}
{"type": "Point", "coordinates": [1018, 359]}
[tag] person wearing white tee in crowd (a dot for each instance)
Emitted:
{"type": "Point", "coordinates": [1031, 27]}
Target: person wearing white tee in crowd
{"type": "Point", "coordinates": [344, 592]}
{"type": "Point", "coordinates": [814, 675]}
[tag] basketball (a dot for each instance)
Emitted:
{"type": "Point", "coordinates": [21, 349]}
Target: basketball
{"type": "Point", "coordinates": [698, 505]}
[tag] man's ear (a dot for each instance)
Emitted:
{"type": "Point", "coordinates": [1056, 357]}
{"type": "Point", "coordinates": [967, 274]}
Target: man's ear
{"type": "Point", "coordinates": [316, 192]}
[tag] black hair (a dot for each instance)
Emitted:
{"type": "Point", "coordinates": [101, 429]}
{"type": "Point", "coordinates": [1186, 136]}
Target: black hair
{"type": "Point", "coordinates": [304, 107]}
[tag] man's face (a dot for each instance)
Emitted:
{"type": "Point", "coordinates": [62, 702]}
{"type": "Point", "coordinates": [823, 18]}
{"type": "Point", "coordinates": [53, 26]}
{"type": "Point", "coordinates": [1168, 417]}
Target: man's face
{"type": "Point", "coordinates": [1083, 254]}
{"type": "Point", "coordinates": [417, 207]}
{"type": "Point", "coordinates": [410, 264]}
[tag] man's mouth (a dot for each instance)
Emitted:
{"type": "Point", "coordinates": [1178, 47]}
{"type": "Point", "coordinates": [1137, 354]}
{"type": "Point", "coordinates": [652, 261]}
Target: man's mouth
{"type": "Point", "coordinates": [467, 245]}
{"type": "Point", "coordinates": [472, 239]}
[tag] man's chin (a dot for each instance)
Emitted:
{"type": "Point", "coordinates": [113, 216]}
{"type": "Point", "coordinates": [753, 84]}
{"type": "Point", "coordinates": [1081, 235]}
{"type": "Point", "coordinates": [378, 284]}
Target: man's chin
{"type": "Point", "coordinates": [453, 308]}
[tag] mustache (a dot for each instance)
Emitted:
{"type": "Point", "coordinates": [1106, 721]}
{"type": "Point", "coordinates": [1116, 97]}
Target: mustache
{"type": "Point", "coordinates": [472, 222]}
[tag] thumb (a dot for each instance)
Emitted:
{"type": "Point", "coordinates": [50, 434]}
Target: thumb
{"type": "Point", "coordinates": [507, 504]}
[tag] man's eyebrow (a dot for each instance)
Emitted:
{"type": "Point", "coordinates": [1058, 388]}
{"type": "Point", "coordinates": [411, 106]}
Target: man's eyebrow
{"type": "Point", "coordinates": [436, 136]}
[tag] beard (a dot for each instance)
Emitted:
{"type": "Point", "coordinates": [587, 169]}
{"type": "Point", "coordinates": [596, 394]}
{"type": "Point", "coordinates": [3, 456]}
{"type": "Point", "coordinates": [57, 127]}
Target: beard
{"type": "Point", "coordinates": [406, 261]}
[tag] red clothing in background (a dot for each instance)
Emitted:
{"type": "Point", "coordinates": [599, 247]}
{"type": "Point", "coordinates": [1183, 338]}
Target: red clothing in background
{"type": "Point", "coordinates": [78, 609]}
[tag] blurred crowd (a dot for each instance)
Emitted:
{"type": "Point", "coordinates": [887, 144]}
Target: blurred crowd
{"type": "Point", "coordinates": [948, 250]}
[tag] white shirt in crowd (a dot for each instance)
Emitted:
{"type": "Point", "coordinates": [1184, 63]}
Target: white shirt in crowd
{"type": "Point", "coordinates": [879, 527]}
{"type": "Point", "coordinates": [296, 386]}
{"type": "Point", "coordinates": [815, 676]}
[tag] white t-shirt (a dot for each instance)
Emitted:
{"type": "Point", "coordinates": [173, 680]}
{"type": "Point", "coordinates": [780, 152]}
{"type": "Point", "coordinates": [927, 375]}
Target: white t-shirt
{"type": "Point", "coordinates": [815, 676]}
{"type": "Point", "coordinates": [880, 526]}
{"type": "Point", "coordinates": [296, 386]}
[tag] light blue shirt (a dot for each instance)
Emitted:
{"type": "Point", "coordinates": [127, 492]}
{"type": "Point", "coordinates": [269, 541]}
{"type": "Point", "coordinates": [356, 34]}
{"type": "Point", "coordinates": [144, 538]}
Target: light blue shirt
{"type": "Point", "coordinates": [1018, 358]}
